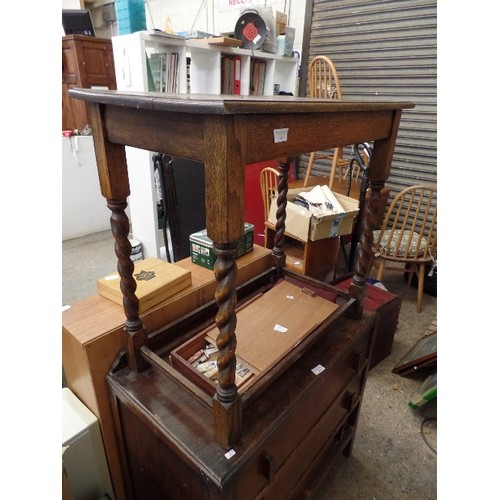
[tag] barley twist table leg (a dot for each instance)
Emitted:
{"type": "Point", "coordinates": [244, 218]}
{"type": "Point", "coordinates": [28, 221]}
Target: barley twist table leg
{"type": "Point", "coordinates": [225, 297]}
{"type": "Point", "coordinates": [136, 337]}
{"type": "Point", "coordinates": [364, 253]}
{"type": "Point", "coordinates": [279, 238]}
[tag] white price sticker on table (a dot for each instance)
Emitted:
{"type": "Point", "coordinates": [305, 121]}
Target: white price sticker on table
{"type": "Point", "coordinates": [280, 134]}
{"type": "Point", "coordinates": [318, 369]}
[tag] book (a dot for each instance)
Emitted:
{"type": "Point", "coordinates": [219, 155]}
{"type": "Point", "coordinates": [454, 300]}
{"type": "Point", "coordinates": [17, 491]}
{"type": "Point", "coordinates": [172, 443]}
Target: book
{"type": "Point", "coordinates": [157, 65]}
{"type": "Point", "coordinates": [237, 75]}
{"type": "Point", "coordinates": [225, 41]}
{"type": "Point", "coordinates": [257, 75]}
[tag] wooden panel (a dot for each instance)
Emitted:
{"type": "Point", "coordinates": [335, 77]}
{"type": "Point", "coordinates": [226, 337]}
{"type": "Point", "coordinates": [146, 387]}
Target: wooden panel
{"type": "Point", "coordinates": [317, 259]}
{"type": "Point", "coordinates": [285, 306]}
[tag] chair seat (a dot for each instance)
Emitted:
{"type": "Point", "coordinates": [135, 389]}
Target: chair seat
{"type": "Point", "coordinates": [407, 247]}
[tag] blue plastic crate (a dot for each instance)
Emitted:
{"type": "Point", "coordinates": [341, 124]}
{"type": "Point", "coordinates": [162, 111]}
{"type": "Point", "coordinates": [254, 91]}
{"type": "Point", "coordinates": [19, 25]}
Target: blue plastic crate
{"type": "Point", "coordinates": [131, 16]}
{"type": "Point", "coordinates": [127, 27]}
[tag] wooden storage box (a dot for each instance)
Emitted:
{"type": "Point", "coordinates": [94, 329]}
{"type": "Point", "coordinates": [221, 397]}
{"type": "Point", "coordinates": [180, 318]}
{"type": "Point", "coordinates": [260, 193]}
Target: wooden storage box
{"type": "Point", "coordinates": [388, 306]}
{"type": "Point", "coordinates": [156, 280]}
{"type": "Point", "coordinates": [269, 326]}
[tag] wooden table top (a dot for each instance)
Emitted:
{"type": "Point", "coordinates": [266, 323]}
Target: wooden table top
{"type": "Point", "coordinates": [230, 104]}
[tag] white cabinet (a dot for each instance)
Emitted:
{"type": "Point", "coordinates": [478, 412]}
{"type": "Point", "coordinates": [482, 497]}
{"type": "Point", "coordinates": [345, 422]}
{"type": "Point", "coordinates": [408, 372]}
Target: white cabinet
{"type": "Point", "coordinates": [206, 68]}
{"type": "Point", "coordinates": [200, 67]}
{"type": "Point", "coordinates": [199, 71]}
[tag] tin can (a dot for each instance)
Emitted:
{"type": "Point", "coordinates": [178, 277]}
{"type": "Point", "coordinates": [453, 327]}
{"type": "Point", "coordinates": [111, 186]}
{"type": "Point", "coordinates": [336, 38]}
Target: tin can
{"type": "Point", "coordinates": [136, 252]}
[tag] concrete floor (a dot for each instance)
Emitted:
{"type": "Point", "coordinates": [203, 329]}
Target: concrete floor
{"type": "Point", "coordinates": [395, 448]}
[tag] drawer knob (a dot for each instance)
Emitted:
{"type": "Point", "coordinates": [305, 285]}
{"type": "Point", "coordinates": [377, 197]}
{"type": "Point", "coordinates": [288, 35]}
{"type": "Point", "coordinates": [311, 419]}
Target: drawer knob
{"type": "Point", "coordinates": [348, 400]}
{"type": "Point", "coordinates": [356, 361]}
{"type": "Point", "coordinates": [269, 467]}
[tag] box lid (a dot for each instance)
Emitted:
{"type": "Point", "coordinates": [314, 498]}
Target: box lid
{"type": "Point", "coordinates": [270, 326]}
{"type": "Point", "coordinates": [156, 280]}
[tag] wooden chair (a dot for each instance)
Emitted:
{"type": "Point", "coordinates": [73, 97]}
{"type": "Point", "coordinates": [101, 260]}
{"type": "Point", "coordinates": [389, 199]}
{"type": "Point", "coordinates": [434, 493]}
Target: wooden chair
{"type": "Point", "coordinates": [324, 83]}
{"type": "Point", "coordinates": [268, 187]}
{"type": "Point", "coordinates": [408, 236]}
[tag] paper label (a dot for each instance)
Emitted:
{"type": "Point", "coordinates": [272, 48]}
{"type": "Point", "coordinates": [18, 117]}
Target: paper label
{"type": "Point", "coordinates": [280, 134]}
{"type": "Point", "coordinates": [318, 369]}
{"type": "Point", "coordinates": [230, 454]}
{"type": "Point", "coordinates": [280, 328]}
{"type": "Point", "coordinates": [334, 229]}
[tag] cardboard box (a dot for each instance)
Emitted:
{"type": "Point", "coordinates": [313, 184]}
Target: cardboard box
{"type": "Point", "coordinates": [388, 306]}
{"type": "Point", "coordinates": [156, 281]}
{"type": "Point", "coordinates": [202, 247]}
{"type": "Point", "coordinates": [280, 20]}
{"type": "Point", "coordinates": [301, 224]}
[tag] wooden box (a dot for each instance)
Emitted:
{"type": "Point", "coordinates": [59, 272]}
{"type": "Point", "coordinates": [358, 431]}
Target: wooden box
{"type": "Point", "coordinates": [388, 306]}
{"type": "Point", "coordinates": [269, 326]}
{"type": "Point", "coordinates": [156, 280]}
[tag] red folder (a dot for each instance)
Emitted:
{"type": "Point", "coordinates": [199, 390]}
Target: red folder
{"type": "Point", "coordinates": [237, 75]}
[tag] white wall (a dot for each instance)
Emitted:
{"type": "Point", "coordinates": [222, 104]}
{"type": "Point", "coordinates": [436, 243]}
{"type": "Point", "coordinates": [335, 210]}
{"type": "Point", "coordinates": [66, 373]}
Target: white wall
{"type": "Point", "coordinates": [84, 209]}
{"type": "Point", "coordinates": [218, 16]}
{"type": "Point", "coordinates": [211, 16]}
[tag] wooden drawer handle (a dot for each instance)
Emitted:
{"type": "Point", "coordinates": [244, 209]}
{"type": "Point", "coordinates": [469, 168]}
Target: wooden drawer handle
{"type": "Point", "coordinates": [349, 400]}
{"type": "Point", "coordinates": [356, 361]}
{"type": "Point", "coordinates": [269, 467]}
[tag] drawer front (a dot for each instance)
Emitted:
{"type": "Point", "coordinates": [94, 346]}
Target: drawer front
{"type": "Point", "coordinates": [302, 463]}
{"type": "Point", "coordinates": [334, 393]}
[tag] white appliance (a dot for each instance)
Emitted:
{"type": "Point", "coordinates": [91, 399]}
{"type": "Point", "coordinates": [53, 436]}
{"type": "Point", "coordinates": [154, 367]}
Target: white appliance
{"type": "Point", "coordinates": [84, 460]}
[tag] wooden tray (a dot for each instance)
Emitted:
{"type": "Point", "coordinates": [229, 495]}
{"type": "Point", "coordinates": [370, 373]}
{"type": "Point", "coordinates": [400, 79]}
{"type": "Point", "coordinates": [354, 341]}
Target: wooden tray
{"type": "Point", "coordinates": [268, 328]}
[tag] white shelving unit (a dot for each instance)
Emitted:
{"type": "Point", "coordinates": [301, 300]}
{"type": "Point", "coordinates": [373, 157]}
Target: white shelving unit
{"type": "Point", "coordinates": [199, 72]}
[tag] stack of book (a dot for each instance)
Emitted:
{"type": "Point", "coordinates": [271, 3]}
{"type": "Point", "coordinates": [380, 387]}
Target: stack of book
{"type": "Point", "coordinates": [257, 74]}
{"type": "Point", "coordinates": [164, 71]}
{"type": "Point", "coordinates": [231, 75]}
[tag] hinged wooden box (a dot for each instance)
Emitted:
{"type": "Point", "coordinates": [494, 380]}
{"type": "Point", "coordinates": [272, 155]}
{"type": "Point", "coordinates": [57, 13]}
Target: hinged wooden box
{"type": "Point", "coordinates": [156, 281]}
{"type": "Point", "coordinates": [269, 326]}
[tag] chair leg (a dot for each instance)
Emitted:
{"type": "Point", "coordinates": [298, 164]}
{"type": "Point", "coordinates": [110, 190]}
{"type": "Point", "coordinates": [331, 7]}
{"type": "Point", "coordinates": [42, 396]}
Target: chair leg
{"type": "Point", "coordinates": [421, 274]}
{"type": "Point", "coordinates": [380, 270]}
{"type": "Point", "coordinates": [309, 168]}
{"type": "Point", "coordinates": [410, 271]}
{"type": "Point", "coordinates": [335, 161]}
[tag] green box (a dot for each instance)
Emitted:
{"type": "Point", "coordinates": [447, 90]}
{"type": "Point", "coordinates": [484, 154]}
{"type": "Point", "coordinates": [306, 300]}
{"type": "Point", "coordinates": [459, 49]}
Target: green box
{"type": "Point", "coordinates": [202, 247]}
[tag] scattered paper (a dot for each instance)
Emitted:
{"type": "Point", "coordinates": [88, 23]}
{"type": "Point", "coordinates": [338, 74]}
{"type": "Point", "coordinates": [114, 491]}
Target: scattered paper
{"type": "Point", "coordinates": [320, 201]}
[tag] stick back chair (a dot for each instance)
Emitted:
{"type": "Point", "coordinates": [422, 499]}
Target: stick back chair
{"type": "Point", "coordinates": [408, 235]}
{"type": "Point", "coordinates": [324, 83]}
{"type": "Point", "coordinates": [268, 187]}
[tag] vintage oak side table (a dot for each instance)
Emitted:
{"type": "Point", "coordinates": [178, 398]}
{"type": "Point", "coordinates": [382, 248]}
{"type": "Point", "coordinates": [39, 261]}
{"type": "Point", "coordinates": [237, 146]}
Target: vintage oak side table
{"type": "Point", "coordinates": [156, 409]}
